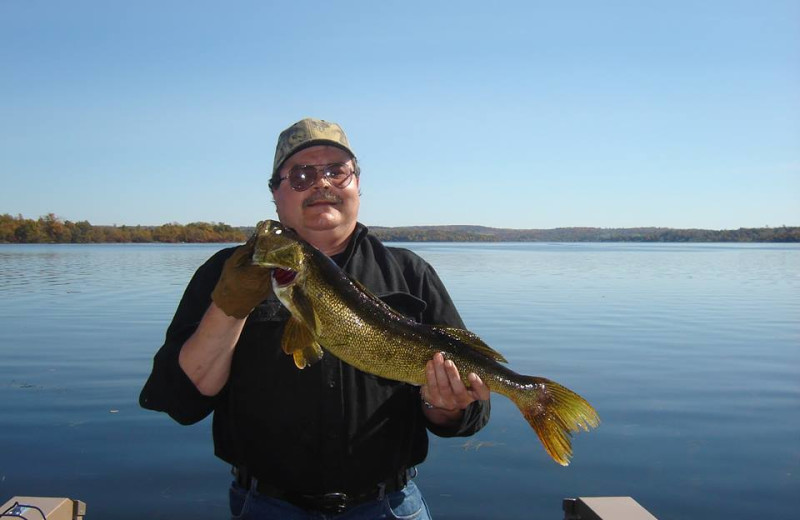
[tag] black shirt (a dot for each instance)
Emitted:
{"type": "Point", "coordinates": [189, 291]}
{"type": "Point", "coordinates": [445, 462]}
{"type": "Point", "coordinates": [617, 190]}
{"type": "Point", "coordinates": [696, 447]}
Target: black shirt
{"type": "Point", "coordinates": [329, 427]}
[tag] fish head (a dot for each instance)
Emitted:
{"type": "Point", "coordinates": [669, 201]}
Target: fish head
{"type": "Point", "coordinates": [280, 248]}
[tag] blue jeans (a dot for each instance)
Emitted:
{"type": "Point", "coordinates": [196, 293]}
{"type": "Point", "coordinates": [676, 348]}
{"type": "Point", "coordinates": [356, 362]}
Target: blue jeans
{"type": "Point", "coordinates": [406, 504]}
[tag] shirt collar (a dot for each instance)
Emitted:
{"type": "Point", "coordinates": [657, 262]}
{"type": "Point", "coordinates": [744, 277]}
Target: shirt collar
{"type": "Point", "coordinates": [359, 234]}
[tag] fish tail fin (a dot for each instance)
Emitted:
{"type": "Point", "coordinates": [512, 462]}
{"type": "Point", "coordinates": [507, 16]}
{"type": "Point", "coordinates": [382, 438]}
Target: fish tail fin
{"type": "Point", "coordinates": [555, 413]}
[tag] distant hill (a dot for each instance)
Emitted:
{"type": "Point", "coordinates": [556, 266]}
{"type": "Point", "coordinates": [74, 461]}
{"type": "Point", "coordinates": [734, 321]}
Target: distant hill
{"type": "Point", "coordinates": [582, 234]}
{"type": "Point", "coordinates": [51, 229]}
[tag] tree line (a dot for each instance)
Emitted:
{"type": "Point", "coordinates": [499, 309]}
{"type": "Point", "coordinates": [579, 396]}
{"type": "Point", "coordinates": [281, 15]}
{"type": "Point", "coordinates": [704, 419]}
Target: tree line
{"type": "Point", "coordinates": [583, 234]}
{"type": "Point", "coordinates": [50, 229]}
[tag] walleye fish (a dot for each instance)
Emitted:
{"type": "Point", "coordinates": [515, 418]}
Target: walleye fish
{"type": "Point", "coordinates": [331, 310]}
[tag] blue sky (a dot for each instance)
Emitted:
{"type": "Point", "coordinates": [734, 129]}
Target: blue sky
{"type": "Point", "coordinates": [508, 114]}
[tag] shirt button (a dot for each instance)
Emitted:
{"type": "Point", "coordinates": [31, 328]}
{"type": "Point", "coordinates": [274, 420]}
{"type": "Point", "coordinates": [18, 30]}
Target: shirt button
{"type": "Point", "coordinates": [331, 384]}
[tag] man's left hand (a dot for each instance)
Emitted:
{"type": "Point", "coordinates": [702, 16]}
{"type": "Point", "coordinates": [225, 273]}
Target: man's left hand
{"type": "Point", "coordinates": [447, 393]}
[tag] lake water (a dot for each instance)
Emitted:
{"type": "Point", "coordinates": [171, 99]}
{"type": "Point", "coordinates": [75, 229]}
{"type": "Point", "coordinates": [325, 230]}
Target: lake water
{"type": "Point", "coordinates": [690, 353]}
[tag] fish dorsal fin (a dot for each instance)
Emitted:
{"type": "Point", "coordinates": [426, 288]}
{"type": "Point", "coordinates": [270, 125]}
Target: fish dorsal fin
{"type": "Point", "coordinates": [473, 341]}
{"type": "Point", "coordinates": [298, 342]}
{"type": "Point", "coordinates": [377, 301]}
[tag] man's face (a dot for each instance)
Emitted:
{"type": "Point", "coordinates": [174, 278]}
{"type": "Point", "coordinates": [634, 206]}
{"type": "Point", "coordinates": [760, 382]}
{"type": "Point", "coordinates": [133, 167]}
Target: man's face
{"type": "Point", "coordinates": [323, 207]}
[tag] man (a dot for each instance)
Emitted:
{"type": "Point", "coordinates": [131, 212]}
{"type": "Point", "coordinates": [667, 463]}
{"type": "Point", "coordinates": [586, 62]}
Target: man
{"type": "Point", "coordinates": [328, 441]}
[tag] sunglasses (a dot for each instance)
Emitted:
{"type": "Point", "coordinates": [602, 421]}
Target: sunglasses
{"type": "Point", "coordinates": [303, 176]}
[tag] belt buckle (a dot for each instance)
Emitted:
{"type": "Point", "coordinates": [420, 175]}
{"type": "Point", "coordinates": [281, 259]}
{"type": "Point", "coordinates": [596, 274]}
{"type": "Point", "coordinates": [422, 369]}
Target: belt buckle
{"type": "Point", "coordinates": [334, 502]}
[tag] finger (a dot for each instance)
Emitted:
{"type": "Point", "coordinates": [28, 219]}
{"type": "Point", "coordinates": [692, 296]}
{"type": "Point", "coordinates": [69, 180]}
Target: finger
{"type": "Point", "coordinates": [465, 396]}
{"type": "Point", "coordinates": [442, 379]}
{"type": "Point", "coordinates": [478, 387]}
{"type": "Point", "coordinates": [456, 396]}
{"type": "Point", "coordinates": [239, 257]}
{"type": "Point", "coordinates": [430, 382]}
{"type": "Point", "coordinates": [457, 386]}
{"type": "Point", "coordinates": [439, 391]}
{"type": "Point", "coordinates": [249, 246]}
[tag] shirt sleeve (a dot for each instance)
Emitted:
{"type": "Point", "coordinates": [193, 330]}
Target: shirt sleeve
{"type": "Point", "coordinates": [441, 310]}
{"type": "Point", "coordinates": [169, 389]}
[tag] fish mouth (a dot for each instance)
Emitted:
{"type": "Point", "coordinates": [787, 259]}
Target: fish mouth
{"type": "Point", "coordinates": [283, 277]}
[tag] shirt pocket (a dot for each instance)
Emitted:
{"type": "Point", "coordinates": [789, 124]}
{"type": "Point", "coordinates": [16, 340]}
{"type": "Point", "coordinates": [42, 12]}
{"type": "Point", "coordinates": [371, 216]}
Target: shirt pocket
{"type": "Point", "coordinates": [406, 304]}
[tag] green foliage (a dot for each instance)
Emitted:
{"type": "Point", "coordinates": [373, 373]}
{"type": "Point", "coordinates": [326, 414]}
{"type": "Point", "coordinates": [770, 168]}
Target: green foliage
{"type": "Point", "coordinates": [485, 234]}
{"type": "Point", "coordinates": [52, 230]}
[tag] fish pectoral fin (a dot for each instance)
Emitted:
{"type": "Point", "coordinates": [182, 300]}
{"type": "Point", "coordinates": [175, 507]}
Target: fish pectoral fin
{"type": "Point", "coordinates": [296, 336]}
{"type": "Point", "coordinates": [473, 341]}
{"type": "Point", "coordinates": [298, 342]}
{"type": "Point", "coordinates": [302, 305]}
{"type": "Point", "coordinates": [308, 356]}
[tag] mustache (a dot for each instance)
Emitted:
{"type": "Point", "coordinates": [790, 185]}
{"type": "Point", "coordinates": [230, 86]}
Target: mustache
{"type": "Point", "coordinates": [324, 196]}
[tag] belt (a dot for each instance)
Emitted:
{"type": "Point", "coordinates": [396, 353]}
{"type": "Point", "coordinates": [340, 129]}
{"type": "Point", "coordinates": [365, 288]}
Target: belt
{"type": "Point", "coordinates": [331, 503]}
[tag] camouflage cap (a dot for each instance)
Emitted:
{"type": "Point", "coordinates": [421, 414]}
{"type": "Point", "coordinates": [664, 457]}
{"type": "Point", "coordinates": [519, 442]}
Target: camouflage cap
{"type": "Point", "coordinates": [305, 133]}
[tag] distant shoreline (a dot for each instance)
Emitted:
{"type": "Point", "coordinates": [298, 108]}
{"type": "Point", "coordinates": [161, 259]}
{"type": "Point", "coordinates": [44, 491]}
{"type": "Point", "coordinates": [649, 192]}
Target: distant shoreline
{"type": "Point", "coordinates": [50, 229]}
{"type": "Point", "coordinates": [583, 234]}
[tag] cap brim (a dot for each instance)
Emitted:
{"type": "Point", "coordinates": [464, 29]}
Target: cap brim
{"type": "Point", "coordinates": [309, 144]}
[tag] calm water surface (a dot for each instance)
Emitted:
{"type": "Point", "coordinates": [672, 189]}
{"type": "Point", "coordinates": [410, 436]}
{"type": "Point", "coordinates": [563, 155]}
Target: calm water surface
{"type": "Point", "coordinates": [690, 353]}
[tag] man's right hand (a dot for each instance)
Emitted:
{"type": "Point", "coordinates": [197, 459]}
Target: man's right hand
{"type": "Point", "coordinates": [242, 285]}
